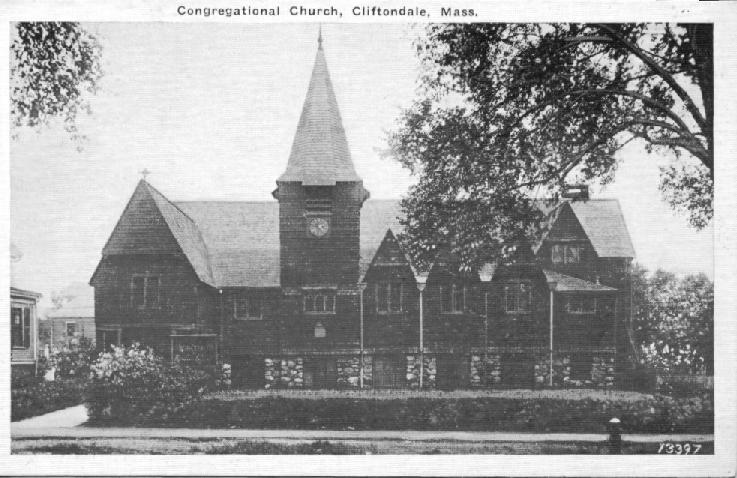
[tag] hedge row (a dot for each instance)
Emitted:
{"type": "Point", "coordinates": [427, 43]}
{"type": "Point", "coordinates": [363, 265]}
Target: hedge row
{"type": "Point", "coordinates": [36, 397]}
{"type": "Point", "coordinates": [657, 414]}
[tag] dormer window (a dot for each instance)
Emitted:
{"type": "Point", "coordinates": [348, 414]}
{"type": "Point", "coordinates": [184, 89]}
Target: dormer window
{"type": "Point", "coordinates": [517, 297]}
{"type": "Point", "coordinates": [566, 253]}
{"type": "Point", "coordinates": [452, 299]}
{"type": "Point", "coordinates": [319, 302]}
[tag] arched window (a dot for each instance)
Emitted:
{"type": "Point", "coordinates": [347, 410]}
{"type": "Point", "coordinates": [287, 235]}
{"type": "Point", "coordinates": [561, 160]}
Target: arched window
{"type": "Point", "coordinates": [320, 331]}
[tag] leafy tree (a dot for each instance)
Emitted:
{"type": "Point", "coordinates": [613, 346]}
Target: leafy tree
{"type": "Point", "coordinates": [674, 321]}
{"type": "Point", "coordinates": [52, 65]}
{"type": "Point", "coordinates": [507, 112]}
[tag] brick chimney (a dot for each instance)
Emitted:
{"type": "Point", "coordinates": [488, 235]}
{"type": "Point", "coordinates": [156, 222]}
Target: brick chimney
{"type": "Point", "coordinates": [576, 192]}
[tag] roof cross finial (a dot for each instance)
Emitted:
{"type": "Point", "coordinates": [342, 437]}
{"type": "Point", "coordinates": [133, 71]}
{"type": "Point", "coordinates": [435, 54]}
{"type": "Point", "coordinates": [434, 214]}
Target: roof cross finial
{"type": "Point", "coordinates": [319, 37]}
{"type": "Point", "coordinates": [144, 173]}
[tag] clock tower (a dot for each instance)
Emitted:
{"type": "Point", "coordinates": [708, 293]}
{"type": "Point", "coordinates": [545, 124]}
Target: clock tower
{"type": "Point", "coordinates": [320, 195]}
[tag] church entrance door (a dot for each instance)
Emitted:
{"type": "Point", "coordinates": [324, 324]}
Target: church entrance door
{"type": "Point", "coordinates": [388, 372]}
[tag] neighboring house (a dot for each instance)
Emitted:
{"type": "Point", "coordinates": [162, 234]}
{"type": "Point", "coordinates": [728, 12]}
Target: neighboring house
{"type": "Point", "coordinates": [72, 321]}
{"type": "Point", "coordinates": [23, 330]}
{"type": "Point", "coordinates": [314, 290]}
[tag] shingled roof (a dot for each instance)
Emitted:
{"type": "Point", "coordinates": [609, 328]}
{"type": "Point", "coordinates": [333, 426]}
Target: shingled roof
{"type": "Point", "coordinates": [564, 283]}
{"type": "Point", "coordinates": [603, 222]}
{"type": "Point", "coordinates": [242, 238]}
{"type": "Point", "coordinates": [320, 155]}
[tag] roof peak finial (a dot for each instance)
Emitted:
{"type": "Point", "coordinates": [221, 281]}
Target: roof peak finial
{"type": "Point", "coordinates": [319, 37]}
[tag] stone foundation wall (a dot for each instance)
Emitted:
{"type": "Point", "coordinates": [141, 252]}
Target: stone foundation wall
{"type": "Point", "coordinates": [349, 371]}
{"type": "Point", "coordinates": [413, 371]}
{"type": "Point", "coordinates": [602, 373]}
{"type": "Point", "coordinates": [485, 371]}
{"type": "Point", "coordinates": [284, 373]}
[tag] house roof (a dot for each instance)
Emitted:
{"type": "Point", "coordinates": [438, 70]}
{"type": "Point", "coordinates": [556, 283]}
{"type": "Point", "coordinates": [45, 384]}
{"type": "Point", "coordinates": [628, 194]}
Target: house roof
{"type": "Point", "coordinates": [603, 222]}
{"type": "Point", "coordinates": [242, 238]}
{"type": "Point", "coordinates": [564, 283]}
{"type": "Point", "coordinates": [320, 154]}
{"type": "Point", "coordinates": [25, 294]}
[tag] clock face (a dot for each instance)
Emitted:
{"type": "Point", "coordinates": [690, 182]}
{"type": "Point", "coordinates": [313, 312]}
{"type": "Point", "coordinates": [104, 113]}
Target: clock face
{"type": "Point", "coordinates": [319, 226]}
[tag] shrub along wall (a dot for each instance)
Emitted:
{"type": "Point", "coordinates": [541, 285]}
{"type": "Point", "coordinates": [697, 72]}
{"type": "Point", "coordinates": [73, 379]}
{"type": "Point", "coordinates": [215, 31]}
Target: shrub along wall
{"type": "Point", "coordinates": [650, 415]}
{"type": "Point", "coordinates": [36, 397]}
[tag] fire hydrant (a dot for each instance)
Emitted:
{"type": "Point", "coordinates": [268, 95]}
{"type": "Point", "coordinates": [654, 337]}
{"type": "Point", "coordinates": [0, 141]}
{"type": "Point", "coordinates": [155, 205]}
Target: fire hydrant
{"type": "Point", "coordinates": [615, 436]}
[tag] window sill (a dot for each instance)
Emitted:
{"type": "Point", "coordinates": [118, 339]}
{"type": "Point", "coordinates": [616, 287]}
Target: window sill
{"type": "Point", "coordinates": [381, 312]}
{"type": "Point", "coordinates": [518, 312]}
{"type": "Point", "coordinates": [319, 313]}
{"type": "Point", "coordinates": [249, 319]}
{"type": "Point", "coordinates": [458, 312]}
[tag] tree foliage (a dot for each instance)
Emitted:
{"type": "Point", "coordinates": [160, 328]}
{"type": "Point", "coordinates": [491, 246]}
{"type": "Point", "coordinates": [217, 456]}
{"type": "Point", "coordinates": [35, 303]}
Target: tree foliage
{"type": "Point", "coordinates": [674, 321]}
{"type": "Point", "coordinates": [52, 66]}
{"type": "Point", "coordinates": [507, 112]}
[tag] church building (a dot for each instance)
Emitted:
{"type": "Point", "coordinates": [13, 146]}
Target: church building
{"type": "Point", "coordinates": [311, 289]}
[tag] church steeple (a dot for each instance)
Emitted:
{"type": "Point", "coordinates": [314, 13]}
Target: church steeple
{"type": "Point", "coordinates": [320, 154]}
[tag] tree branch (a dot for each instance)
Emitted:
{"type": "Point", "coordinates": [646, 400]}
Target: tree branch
{"type": "Point", "coordinates": [662, 72]}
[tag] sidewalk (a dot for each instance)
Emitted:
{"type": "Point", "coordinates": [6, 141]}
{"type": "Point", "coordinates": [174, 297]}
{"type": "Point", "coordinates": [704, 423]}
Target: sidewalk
{"type": "Point", "coordinates": [61, 419]}
{"type": "Point", "coordinates": [65, 424]}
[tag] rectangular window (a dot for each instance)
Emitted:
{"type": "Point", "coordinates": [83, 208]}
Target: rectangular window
{"type": "Point", "coordinates": [566, 253]}
{"type": "Point", "coordinates": [517, 297]}
{"type": "Point", "coordinates": [557, 253]}
{"type": "Point", "coordinates": [20, 325]}
{"type": "Point", "coordinates": [452, 298]}
{"type": "Point", "coordinates": [389, 297]}
{"type": "Point", "coordinates": [319, 302]}
{"type": "Point", "coordinates": [145, 291]}
{"type": "Point", "coordinates": [581, 305]}
{"type": "Point", "coordinates": [138, 288]}
{"type": "Point", "coordinates": [248, 308]}
{"type": "Point", "coordinates": [71, 329]}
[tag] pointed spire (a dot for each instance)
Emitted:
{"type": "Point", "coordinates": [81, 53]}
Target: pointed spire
{"type": "Point", "coordinates": [320, 154]}
{"type": "Point", "coordinates": [319, 37]}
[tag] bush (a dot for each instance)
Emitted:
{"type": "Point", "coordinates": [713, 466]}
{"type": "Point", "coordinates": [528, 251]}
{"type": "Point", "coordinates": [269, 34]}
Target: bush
{"type": "Point", "coordinates": [70, 360]}
{"type": "Point", "coordinates": [129, 385]}
{"type": "Point", "coordinates": [30, 398]}
{"type": "Point", "coordinates": [648, 414]}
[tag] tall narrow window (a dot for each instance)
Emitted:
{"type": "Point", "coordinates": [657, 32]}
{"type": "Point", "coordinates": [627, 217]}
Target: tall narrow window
{"type": "Point", "coordinates": [452, 298]}
{"type": "Point", "coordinates": [322, 302]}
{"type": "Point", "coordinates": [557, 253]}
{"type": "Point", "coordinates": [145, 291]}
{"type": "Point", "coordinates": [517, 297]}
{"type": "Point", "coordinates": [248, 308]}
{"type": "Point", "coordinates": [138, 291]}
{"type": "Point", "coordinates": [389, 297]}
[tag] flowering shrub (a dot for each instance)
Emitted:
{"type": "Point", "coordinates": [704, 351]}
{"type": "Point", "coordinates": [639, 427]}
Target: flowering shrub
{"type": "Point", "coordinates": [69, 360]}
{"type": "Point", "coordinates": [131, 384]}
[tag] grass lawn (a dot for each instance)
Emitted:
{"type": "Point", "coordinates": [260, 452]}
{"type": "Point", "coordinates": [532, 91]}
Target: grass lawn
{"type": "Point", "coordinates": [337, 447]}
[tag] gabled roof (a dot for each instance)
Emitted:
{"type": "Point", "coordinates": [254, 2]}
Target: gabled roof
{"type": "Point", "coordinates": [186, 233]}
{"type": "Point", "coordinates": [320, 154]}
{"type": "Point", "coordinates": [242, 238]}
{"type": "Point", "coordinates": [564, 283]}
{"type": "Point", "coordinates": [603, 223]}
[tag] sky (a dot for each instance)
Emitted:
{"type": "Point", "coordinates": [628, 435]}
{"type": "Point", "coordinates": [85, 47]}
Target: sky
{"type": "Point", "coordinates": [211, 110]}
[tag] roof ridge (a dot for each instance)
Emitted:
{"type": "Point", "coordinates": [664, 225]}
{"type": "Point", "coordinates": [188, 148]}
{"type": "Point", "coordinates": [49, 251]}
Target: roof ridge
{"type": "Point", "coordinates": [167, 200]}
